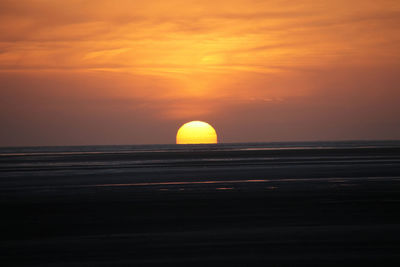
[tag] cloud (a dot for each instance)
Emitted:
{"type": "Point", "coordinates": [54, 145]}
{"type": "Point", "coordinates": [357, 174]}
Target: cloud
{"type": "Point", "coordinates": [100, 62]}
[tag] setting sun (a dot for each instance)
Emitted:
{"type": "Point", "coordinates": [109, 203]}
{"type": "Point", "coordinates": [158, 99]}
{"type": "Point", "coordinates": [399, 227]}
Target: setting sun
{"type": "Point", "coordinates": [196, 132]}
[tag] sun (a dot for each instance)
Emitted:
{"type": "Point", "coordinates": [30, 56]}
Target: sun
{"type": "Point", "coordinates": [196, 132]}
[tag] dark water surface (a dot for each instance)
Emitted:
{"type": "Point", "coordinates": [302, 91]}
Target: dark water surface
{"type": "Point", "coordinates": [276, 204]}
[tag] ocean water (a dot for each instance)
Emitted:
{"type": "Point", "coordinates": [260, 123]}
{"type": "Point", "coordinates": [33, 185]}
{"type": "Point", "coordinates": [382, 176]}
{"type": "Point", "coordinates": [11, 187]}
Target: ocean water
{"type": "Point", "coordinates": [207, 147]}
{"type": "Point", "coordinates": [266, 204]}
{"type": "Point", "coordinates": [201, 165]}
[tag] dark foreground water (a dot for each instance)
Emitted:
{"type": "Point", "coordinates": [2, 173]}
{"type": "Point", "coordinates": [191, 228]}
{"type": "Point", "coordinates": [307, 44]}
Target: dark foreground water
{"type": "Point", "coordinates": [279, 204]}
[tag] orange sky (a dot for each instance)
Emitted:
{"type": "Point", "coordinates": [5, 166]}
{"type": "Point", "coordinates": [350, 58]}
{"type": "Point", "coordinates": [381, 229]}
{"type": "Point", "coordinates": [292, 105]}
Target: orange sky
{"type": "Point", "coordinates": [131, 72]}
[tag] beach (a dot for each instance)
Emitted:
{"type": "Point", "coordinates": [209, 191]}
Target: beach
{"type": "Point", "coordinates": [272, 204]}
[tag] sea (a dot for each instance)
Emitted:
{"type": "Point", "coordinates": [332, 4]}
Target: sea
{"type": "Point", "coordinates": [234, 204]}
{"type": "Point", "coordinates": [162, 163]}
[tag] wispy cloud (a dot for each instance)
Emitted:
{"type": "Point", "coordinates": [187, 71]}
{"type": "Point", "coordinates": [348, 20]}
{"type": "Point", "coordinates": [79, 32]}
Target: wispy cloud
{"type": "Point", "coordinates": [178, 59]}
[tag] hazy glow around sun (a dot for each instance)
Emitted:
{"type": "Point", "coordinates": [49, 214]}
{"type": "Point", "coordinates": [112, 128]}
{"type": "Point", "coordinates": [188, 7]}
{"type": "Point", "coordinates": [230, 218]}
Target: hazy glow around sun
{"type": "Point", "coordinates": [196, 132]}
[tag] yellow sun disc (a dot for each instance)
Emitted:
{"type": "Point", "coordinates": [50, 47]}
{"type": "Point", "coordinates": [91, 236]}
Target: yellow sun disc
{"type": "Point", "coordinates": [196, 132]}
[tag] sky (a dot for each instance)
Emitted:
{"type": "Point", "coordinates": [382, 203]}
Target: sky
{"type": "Point", "coordinates": [88, 72]}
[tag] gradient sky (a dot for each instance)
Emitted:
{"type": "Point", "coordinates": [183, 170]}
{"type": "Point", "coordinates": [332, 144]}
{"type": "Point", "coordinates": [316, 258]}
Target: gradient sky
{"type": "Point", "coordinates": [82, 72]}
